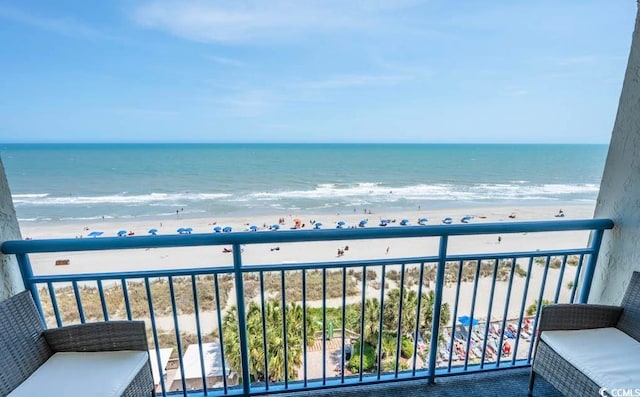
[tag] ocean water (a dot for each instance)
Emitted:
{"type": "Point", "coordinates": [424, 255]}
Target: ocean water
{"type": "Point", "coordinates": [91, 181]}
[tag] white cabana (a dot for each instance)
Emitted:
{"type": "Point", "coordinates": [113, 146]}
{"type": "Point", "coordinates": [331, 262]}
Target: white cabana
{"type": "Point", "coordinates": [193, 369]}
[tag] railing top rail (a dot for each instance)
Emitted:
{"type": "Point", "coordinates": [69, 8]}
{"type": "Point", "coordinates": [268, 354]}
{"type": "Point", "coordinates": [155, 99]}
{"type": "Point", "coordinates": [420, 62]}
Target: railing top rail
{"type": "Point", "coordinates": [291, 236]}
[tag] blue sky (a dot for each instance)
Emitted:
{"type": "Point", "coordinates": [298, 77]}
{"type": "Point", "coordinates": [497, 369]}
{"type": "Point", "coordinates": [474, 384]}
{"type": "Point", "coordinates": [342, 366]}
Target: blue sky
{"type": "Point", "coordinates": [312, 71]}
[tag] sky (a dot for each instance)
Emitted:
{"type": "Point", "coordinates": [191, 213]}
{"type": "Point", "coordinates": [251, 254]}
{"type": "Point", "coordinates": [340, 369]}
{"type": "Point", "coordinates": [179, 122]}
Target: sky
{"type": "Point", "coordinates": [379, 71]}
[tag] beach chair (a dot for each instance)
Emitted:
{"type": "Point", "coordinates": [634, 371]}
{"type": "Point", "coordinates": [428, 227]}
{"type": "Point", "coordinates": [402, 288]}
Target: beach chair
{"type": "Point", "coordinates": [95, 359]}
{"type": "Point", "coordinates": [584, 349]}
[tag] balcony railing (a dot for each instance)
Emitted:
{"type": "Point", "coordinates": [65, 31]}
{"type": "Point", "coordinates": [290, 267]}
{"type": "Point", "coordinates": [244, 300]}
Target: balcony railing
{"type": "Point", "coordinates": [300, 326]}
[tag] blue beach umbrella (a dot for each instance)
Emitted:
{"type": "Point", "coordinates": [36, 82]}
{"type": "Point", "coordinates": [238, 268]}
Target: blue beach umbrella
{"type": "Point", "coordinates": [227, 229]}
{"type": "Point", "coordinates": [95, 234]}
{"type": "Point", "coordinates": [188, 230]}
{"type": "Point", "coordinates": [122, 233]}
{"type": "Point", "coordinates": [466, 320]}
{"type": "Point", "coordinates": [153, 232]}
{"type": "Point", "coordinates": [341, 224]}
{"type": "Point", "coordinates": [422, 221]}
{"type": "Point", "coordinates": [253, 228]}
{"type": "Point", "coordinates": [447, 220]}
{"type": "Point", "coordinates": [180, 230]}
{"type": "Point", "coordinates": [404, 222]}
{"type": "Point", "coordinates": [363, 222]}
{"type": "Point", "coordinates": [317, 225]}
{"type": "Point", "coordinates": [466, 219]}
{"type": "Point", "coordinates": [383, 222]}
{"type": "Point", "coordinates": [275, 226]}
{"type": "Point", "coordinates": [217, 229]}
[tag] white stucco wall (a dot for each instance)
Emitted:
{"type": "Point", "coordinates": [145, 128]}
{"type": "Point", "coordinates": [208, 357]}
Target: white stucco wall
{"type": "Point", "coordinates": [619, 197]}
{"type": "Point", "coordinates": [10, 279]}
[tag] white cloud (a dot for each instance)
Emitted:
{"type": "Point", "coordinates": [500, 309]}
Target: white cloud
{"type": "Point", "coordinates": [242, 21]}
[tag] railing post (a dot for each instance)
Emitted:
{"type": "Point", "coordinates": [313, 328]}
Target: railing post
{"type": "Point", "coordinates": [242, 320]}
{"type": "Point", "coordinates": [596, 241]}
{"type": "Point", "coordinates": [435, 322]}
{"type": "Point", "coordinates": [27, 274]}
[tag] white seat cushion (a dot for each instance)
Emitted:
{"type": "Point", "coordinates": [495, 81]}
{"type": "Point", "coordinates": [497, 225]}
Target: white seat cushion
{"type": "Point", "coordinates": [607, 356]}
{"type": "Point", "coordinates": [83, 374]}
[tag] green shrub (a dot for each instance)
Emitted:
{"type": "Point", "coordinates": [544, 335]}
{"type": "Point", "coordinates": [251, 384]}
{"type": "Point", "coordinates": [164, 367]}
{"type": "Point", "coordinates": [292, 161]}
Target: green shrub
{"type": "Point", "coordinates": [368, 358]}
{"type": "Point", "coordinates": [406, 348]}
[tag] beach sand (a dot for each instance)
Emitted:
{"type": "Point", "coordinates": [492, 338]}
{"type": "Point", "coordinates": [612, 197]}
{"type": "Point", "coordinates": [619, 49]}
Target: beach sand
{"type": "Point", "coordinates": [300, 252]}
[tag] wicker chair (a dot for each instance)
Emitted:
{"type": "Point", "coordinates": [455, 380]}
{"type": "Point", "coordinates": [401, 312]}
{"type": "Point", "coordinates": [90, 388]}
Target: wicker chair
{"type": "Point", "coordinates": [563, 375]}
{"type": "Point", "coordinates": [97, 359]}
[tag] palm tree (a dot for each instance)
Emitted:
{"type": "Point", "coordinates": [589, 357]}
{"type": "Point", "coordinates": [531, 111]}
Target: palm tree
{"type": "Point", "coordinates": [275, 348]}
{"type": "Point", "coordinates": [371, 321]}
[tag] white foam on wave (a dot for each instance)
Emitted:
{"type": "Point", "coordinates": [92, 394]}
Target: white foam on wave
{"type": "Point", "coordinates": [377, 193]}
{"type": "Point", "coordinates": [120, 199]}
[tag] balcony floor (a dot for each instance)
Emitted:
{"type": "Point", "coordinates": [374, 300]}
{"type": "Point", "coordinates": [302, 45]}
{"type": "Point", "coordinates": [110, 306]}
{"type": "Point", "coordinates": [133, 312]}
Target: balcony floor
{"type": "Point", "coordinates": [506, 383]}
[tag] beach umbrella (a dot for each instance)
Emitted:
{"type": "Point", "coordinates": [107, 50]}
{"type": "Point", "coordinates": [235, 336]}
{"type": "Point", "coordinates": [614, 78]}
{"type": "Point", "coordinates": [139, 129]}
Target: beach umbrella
{"type": "Point", "coordinates": [362, 223]}
{"type": "Point", "coordinates": [341, 224]}
{"type": "Point", "coordinates": [466, 320]}
{"type": "Point", "coordinates": [227, 229]}
{"type": "Point", "coordinates": [217, 229]}
{"type": "Point", "coordinates": [275, 226]}
{"type": "Point", "coordinates": [180, 230]}
{"type": "Point", "coordinates": [404, 222]}
{"type": "Point", "coordinates": [422, 221]}
{"type": "Point", "coordinates": [465, 219]}
{"type": "Point", "coordinates": [317, 225]}
{"type": "Point", "coordinates": [153, 231]}
{"type": "Point", "coordinates": [122, 233]}
{"type": "Point", "coordinates": [95, 234]}
{"type": "Point", "coordinates": [253, 228]}
{"type": "Point", "coordinates": [447, 220]}
{"type": "Point", "coordinates": [383, 222]}
{"type": "Point", "coordinates": [188, 230]}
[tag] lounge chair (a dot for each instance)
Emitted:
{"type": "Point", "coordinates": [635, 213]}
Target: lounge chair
{"type": "Point", "coordinates": [94, 359]}
{"type": "Point", "coordinates": [584, 349]}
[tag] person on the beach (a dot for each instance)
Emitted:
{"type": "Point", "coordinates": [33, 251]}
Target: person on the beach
{"type": "Point", "coordinates": [499, 239]}
{"type": "Point", "coordinates": [387, 251]}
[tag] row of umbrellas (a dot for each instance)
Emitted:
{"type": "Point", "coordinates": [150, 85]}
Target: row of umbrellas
{"type": "Point", "coordinates": [317, 225]}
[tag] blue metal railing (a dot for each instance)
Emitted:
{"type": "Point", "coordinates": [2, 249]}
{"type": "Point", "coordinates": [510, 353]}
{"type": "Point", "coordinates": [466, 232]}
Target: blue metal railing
{"type": "Point", "coordinates": [398, 335]}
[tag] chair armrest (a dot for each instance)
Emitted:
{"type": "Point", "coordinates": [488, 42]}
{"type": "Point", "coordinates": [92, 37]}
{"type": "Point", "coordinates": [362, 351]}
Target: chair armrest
{"type": "Point", "coordinates": [93, 337]}
{"type": "Point", "coordinates": [578, 316]}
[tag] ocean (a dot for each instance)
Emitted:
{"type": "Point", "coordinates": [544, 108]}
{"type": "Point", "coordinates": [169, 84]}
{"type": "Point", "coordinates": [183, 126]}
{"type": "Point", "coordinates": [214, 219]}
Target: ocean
{"type": "Point", "coordinates": [67, 182]}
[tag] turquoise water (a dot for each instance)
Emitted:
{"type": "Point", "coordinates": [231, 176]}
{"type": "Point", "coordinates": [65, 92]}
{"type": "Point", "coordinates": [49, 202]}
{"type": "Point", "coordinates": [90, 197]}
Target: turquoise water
{"type": "Point", "coordinates": [67, 182]}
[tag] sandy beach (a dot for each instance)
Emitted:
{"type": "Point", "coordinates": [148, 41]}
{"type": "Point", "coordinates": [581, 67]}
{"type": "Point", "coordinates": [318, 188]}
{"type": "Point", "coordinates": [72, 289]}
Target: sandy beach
{"type": "Point", "coordinates": [290, 253]}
